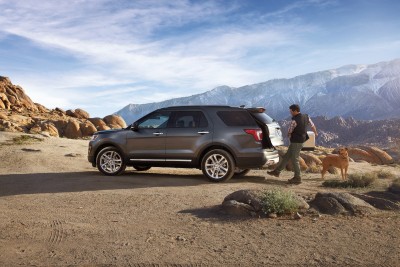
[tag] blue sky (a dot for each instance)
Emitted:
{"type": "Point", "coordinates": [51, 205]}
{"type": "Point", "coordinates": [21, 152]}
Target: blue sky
{"type": "Point", "coordinates": [101, 55]}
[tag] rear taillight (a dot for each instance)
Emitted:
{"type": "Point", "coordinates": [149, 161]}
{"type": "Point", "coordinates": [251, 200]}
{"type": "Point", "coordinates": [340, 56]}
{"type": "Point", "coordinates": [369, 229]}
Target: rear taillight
{"type": "Point", "coordinates": [256, 133]}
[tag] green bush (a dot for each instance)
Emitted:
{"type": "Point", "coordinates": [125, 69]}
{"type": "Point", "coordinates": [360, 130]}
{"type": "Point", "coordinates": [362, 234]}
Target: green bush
{"type": "Point", "coordinates": [278, 201]}
{"type": "Point", "coordinates": [355, 180]}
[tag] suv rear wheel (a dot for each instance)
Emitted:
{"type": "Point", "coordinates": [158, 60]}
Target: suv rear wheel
{"type": "Point", "coordinates": [218, 165]}
{"type": "Point", "coordinates": [110, 161]}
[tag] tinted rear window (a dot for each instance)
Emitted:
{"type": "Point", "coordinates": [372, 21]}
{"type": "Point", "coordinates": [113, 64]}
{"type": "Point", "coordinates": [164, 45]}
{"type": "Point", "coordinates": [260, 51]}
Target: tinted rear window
{"type": "Point", "coordinates": [236, 118]}
{"type": "Point", "coordinates": [262, 117]}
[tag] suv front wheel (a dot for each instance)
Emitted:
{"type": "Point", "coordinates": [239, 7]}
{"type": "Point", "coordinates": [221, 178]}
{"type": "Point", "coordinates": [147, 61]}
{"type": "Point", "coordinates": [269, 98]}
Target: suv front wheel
{"type": "Point", "coordinates": [110, 161]}
{"type": "Point", "coordinates": [218, 165]}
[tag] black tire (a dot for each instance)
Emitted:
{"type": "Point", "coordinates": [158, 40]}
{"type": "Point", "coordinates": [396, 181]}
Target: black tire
{"type": "Point", "coordinates": [218, 165]}
{"type": "Point", "coordinates": [241, 172]}
{"type": "Point", "coordinates": [110, 161]}
{"type": "Point", "coordinates": [141, 168]}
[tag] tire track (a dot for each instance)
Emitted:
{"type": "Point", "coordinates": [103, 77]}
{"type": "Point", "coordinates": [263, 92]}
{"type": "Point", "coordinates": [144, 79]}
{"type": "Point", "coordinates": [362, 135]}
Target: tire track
{"type": "Point", "coordinates": [57, 234]}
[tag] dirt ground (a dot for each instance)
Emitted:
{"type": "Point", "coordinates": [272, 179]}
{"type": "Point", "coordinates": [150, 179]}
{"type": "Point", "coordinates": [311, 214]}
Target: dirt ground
{"type": "Point", "coordinates": [56, 210]}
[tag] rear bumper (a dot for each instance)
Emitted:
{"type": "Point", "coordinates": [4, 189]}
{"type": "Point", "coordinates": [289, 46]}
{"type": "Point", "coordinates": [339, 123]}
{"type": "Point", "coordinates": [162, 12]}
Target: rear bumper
{"type": "Point", "coordinates": [272, 157]}
{"type": "Point", "coordinates": [265, 158]}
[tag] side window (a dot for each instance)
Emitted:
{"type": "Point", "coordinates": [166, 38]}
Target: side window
{"type": "Point", "coordinates": [155, 120]}
{"type": "Point", "coordinates": [236, 118]}
{"type": "Point", "coordinates": [188, 119]}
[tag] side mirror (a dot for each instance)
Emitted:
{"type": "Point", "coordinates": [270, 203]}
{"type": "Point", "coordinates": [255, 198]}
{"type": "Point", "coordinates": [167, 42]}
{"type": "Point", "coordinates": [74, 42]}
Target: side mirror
{"type": "Point", "coordinates": [135, 127]}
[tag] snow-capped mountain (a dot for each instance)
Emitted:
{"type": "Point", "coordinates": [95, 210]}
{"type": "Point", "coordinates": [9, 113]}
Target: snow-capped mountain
{"type": "Point", "coordinates": [368, 92]}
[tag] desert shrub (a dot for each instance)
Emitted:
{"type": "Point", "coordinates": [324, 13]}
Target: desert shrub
{"type": "Point", "coordinates": [335, 183]}
{"type": "Point", "coordinates": [24, 139]}
{"type": "Point", "coordinates": [355, 180]}
{"type": "Point", "coordinates": [362, 179]}
{"type": "Point", "coordinates": [278, 201]}
{"type": "Point", "coordinates": [384, 174]}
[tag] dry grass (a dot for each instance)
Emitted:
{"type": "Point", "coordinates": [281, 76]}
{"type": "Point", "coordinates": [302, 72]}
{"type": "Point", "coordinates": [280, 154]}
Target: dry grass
{"type": "Point", "coordinates": [356, 180]}
{"type": "Point", "coordinates": [385, 174]}
{"type": "Point", "coordinates": [313, 168]}
{"type": "Point", "coordinates": [25, 139]}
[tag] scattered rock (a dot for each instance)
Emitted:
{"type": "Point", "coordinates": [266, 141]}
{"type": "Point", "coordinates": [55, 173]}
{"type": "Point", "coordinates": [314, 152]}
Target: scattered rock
{"type": "Point", "coordinates": [73, 155]}
{"type": "Point", "coordinates": [297, 216]}
{"type": "Point", "coordinates": [45, 134]}
{"type": "Point", "coordinates": [181, 238]}
{"type": "Point", "coordinates": [31, 150]}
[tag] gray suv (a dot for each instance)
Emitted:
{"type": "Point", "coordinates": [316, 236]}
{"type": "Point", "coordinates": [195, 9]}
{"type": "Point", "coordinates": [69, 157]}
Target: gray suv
{"type": "Point", "coordinates": [222, 141]}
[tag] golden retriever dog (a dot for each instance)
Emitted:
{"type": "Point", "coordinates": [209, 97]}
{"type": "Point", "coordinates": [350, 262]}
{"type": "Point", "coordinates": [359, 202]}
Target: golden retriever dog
{"type": "Point", "coordinates": [339, 161]}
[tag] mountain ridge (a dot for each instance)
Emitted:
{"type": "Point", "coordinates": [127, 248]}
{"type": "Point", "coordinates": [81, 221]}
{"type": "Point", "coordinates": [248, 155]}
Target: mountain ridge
{"type": "Point", "coordinates": [361, 91]}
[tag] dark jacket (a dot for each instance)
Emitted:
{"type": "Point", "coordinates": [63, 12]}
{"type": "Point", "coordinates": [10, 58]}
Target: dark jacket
{"type": "Point", "coordinates": [299, 134]}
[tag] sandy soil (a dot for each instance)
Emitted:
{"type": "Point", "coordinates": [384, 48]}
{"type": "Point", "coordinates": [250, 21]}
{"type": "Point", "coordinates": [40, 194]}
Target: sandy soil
{"type": "Point", "coordinates": [56, 210]}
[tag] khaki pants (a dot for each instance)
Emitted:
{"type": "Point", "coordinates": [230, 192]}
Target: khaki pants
{"type": "Point", "coordinates": [292, 154]}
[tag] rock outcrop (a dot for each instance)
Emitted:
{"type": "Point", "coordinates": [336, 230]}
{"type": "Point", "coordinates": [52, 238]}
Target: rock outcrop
{"type": "Point", "coordinates": [341, 203]}
{"type": "Point", "coordinates": [249, 203]}
{"type": "Point", "coordinates": [18, 113]}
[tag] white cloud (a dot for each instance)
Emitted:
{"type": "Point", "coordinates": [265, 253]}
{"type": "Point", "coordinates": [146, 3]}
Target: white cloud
{"type": "Point", "coordinates": [146, 43]}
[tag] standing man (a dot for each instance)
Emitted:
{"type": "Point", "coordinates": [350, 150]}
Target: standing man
{"type": "Point", "coordinates": [297, 134]}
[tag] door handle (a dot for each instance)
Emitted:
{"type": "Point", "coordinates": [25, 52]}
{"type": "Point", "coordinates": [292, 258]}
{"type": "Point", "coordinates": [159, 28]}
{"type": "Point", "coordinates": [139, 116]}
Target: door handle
{"type": "Point", "coordinates": [158, 133]}
{"type": "Point", "coordinates": [203, 132]}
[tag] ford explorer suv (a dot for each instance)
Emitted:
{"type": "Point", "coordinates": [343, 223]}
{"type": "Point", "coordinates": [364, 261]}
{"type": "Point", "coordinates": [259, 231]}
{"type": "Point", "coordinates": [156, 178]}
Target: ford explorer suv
{"type": "Point", "coordinates": [222, 141]}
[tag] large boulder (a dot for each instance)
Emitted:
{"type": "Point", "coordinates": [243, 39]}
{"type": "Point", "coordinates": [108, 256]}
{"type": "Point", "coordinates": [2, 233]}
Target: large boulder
{"type": "Point", "coordinates": [339, 203]}
{"type": "Point", "coordinates": [87, 128]}
{"type": "Point", "coordinates": [310, 159]}
{"type": "Point", "coordinates": [249, 197]}
{"type": "Point", "coordinates": [72, 130]}
{"type": "Point", "coordinates": [115, 121]}
{"type": "Point", "coordinates": [99, 124]}
{"type": "Point", "coordinates": [378, 153]}
{"type": "Point", "coordinates": [359, 154]}
{"type": "Point", "coordinates": [77, 113]}
{"type": "Point", "coordinates": [41, 127]}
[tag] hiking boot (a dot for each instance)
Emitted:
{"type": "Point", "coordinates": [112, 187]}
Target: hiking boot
{"type": "Point", "coordinates": [274, 173]}
{"type": "Point", "coordinates": [295, 180]}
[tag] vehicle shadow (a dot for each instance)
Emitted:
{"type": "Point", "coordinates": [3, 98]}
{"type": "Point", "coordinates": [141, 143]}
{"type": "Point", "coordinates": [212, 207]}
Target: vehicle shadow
{"type": "Point", "coordinates": [39, 183]}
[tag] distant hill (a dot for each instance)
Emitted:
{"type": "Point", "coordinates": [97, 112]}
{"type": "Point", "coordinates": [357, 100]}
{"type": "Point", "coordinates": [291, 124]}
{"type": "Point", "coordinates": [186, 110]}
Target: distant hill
{"type": "Point", "coordinates": [339, 131]}
{"type": "Point", "coordinates": [364, 92]}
